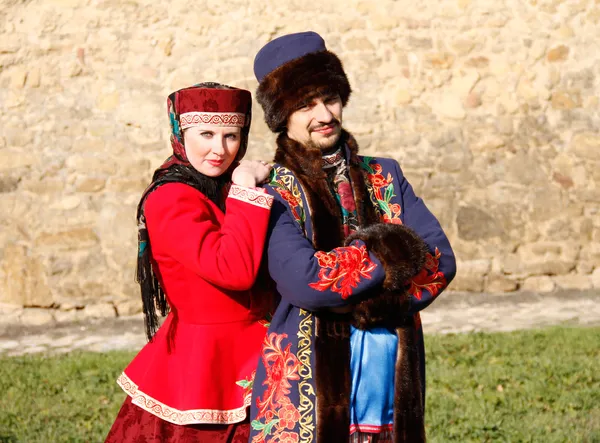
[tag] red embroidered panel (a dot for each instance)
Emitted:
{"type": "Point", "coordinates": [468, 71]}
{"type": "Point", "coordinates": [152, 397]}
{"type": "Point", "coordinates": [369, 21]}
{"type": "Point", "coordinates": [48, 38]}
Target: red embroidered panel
{"type": "Point", "coordinates": [277, 416]}
{"type": "Point", "coordinates": [342, 269]}
{"type": "Point", "coordinates": [430, 278]}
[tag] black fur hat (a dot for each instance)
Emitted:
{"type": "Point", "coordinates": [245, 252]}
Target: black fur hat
{"type": "Point", "coordinates": [294, 69]}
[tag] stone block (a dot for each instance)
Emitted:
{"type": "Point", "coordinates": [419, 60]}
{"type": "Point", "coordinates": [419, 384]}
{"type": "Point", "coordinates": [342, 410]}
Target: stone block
{"type": "Point", "coordinates": [126, 308]}
{"type": "Point", "coordinates": [472, 100]}
{"type": "Point", "coordinates": [498, 283]}
{"type": "Point", "coordinates": [403, 97]}
{"type": "Point", "coordinates": [538, 284]}
{"type": "Point", "coordinates": [439, 60]}
{"type": "Point", "coordinates": [566, 100]}
{"type": "Point", "coordinates": [558, 54]}
{"type": "Point", "coordinates": [24, 279]}
{"type": "Point", "coordinates": [358, 44]}
{"type": "Point", "coordinates": [100, 310]}
{"type": "Point", "coordinates": [586, 145]}
{"type": "Point", "coordinates": [108, 102]}
{"type": "Point", "coordinates": [449, 106]}
{"type": "Point", "coordinates": [573, 281]}
{"type": "Point", "coordinates": [36, 317]}
{"type": "Point", "coordinates": [34, 78]}
{"type": "Point", "coordinates": [595, 278]}
{"type": "Point", "coordinates": [464, 84]}
{"type": "Point", "coordinates": [476, 224]}
{"type": "Point", "coordinates": [14, 158]}
{"type": "Point", "coordinates": [90, 184]}
{"type": "Point", "coordinates": [75, 238]}
{"type": "Point", "coordinates": [471, 275]}
{"type": "Point", "coordinates": [543, 258]}
{"type": "Point", "coordinates": [71, 316]}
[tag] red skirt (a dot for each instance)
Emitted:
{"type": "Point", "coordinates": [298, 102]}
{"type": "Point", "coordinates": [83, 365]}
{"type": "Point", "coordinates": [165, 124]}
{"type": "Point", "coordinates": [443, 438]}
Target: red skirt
{"type": "Point", "coordinates": [133, 424]}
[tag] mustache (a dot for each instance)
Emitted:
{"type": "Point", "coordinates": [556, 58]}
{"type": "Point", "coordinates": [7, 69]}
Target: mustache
{"type": "Point", "coordinates": [332, 123]}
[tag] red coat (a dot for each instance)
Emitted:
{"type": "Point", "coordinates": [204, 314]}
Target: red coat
{"type": "Point", "coordinates": [199, 366]}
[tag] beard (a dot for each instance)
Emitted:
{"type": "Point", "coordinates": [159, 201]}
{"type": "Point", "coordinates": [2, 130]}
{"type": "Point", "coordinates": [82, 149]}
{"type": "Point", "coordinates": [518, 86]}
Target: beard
{"type": "Point", "coordinates": [325, 143]}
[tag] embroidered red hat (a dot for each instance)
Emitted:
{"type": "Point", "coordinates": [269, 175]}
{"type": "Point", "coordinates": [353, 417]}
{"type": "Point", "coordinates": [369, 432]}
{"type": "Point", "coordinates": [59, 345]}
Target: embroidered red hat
{"type": "Point", "coordinates": [209, 106]}
{"type": "Point", "coordinates": [212, 104]}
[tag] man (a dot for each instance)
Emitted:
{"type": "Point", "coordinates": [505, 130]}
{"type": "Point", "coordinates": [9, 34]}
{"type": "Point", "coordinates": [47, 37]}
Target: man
{"type": "Point", "coordinates": [355, 256]}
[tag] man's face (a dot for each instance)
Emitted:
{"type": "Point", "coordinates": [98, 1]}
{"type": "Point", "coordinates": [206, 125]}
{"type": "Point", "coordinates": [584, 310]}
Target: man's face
{"type": "Point", "coordinates": [317, 125]}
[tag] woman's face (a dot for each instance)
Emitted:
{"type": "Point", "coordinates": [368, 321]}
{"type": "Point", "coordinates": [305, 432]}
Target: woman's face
{"type": "Point", "coordinates": [211, 149]}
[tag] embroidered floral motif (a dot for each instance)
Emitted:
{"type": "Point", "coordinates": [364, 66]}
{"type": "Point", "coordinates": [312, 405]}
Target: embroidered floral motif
{"type": "Point", "coordinates": [342, 269]}
{"type": "Point", "coordinates": [382, 190]}
{"type": "Point", "coordinates": [276, 413]}
{"type": "Point", "coordinates": [430, 278]}
{"type": "Point", "coordinates": [246, 384]}
{"type": "Point", "coordinates": [283, 182]}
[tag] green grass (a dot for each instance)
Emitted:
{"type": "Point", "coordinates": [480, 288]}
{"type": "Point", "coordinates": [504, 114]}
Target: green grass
{"type": "Point", "coordinates": [532, 386]}
{"type": "Point", "coordinates": [538, 386]}
{"type": "Point", "coordinates": [67, 398]}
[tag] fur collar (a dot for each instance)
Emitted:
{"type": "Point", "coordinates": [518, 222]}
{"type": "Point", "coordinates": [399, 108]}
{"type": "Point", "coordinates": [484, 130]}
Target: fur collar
{"type": "Point", "coordinates": [326, 217]}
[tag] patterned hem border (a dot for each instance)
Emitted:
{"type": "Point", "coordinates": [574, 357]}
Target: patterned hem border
{"type": "Point", "coordinates": [177, 417]}
{"type": "Point", "coordinates": [189, 119]}
{"type": "Point", "coordinates": [371, 429]}
{"type": "Point", "coordinates": [252, 196]}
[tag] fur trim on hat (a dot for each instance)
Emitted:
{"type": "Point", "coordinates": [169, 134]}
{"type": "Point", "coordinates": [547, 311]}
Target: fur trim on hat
{"type": "Point", "coordinates": [296, 83]}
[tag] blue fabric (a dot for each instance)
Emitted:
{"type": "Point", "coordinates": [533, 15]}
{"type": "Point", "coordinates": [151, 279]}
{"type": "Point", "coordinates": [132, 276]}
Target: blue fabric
{"type": "Point", "coordinates": [285, 49]}
{"type": "Point", "coordinates": [372, 365]}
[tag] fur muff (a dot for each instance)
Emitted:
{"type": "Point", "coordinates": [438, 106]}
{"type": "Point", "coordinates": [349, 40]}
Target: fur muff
{"type": "Point", "coordinates": [388, 310]}
{"type": "Point", "coordinates": [401, 252]}
{"type": "Point", "coordinates": [298, 82]}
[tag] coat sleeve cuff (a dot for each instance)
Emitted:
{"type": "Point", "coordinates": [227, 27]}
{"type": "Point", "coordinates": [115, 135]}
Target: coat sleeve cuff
{"type": "Point", "coordinates": [253, 196]}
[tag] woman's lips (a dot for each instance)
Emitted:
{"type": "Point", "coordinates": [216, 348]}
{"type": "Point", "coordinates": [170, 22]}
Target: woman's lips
{"type": "Point", "coordinates": [216, 162]}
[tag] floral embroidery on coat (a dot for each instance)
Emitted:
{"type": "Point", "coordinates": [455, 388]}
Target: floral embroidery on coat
{"type": "Point", "coordinates": [342, 269]}
{"type": "Point", "coordinates": [430, 278]}
{"type": "Point", "coordinates": [382, 191]}
{"type": "Point", "coordinates": [284, 183]}
{"type": "Point", "coordinates": [277, 416]}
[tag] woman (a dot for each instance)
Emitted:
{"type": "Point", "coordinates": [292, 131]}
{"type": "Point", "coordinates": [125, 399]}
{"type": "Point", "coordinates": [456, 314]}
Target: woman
{"type": "Point", "coordinates": [202, 226]}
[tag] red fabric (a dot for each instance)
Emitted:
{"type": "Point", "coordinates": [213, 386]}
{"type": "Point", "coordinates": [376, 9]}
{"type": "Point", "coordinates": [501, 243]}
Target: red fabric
{"type": "Point", "coordinates": [196, 99]}
{"type": "Point", "coordinates": [133, 424]}
{"type": "Point", "coordinates": [206, 262]}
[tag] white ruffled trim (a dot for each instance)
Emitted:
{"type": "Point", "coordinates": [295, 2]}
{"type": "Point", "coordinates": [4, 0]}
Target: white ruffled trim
{"type": "Point", "coordinates": [176, 416]}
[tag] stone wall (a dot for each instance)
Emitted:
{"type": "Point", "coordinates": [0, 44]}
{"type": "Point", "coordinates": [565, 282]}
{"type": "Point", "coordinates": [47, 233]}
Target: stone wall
{"type": "Point", "coordinates": [492, 109]}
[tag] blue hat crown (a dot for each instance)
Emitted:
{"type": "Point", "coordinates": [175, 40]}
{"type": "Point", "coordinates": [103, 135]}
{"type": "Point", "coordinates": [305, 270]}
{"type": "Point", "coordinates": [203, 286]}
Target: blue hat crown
{"type": "Point", "coordinates": [285, 49]}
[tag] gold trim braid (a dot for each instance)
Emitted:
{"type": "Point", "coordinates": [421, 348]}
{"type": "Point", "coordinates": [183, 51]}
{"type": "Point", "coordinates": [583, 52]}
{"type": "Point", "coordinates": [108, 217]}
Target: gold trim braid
{"type": "Point", "coordinates": [305, 389]}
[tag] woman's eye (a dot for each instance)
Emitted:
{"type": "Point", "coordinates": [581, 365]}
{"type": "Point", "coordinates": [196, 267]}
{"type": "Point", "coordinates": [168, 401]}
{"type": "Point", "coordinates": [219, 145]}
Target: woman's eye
{"type": "Point", "coordinates": [231, 136]}
{"type": "Point", "coordinates": [206, 134]}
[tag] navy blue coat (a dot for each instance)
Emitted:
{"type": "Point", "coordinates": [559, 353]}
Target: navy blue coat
{"type": "Point", "coordinates": [283, 406]}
